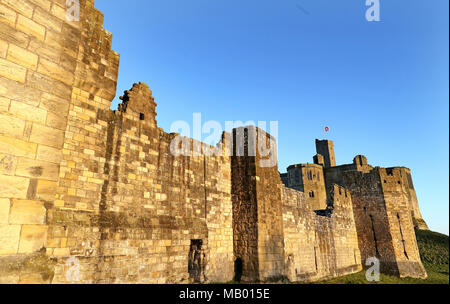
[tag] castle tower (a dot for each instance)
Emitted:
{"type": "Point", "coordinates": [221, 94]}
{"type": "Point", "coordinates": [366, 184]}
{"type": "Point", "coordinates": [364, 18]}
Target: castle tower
{"type": "Point", "coordinates": [381, 207]}
{"type": "Point", "coordinates": [257, 208]}
{"type": "Point", "coordinates": [326, 149]}
{"type": "Point", "coordinates": [309, 178]}
{"type": "Point", "coordinates": [319, 160]}
{"type": "Point", "coordinates": [361, 164]}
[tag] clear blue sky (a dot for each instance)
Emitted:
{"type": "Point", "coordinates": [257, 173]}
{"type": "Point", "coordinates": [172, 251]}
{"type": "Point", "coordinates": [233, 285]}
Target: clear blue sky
{"type": "Point", "coordinates": [382, 87]}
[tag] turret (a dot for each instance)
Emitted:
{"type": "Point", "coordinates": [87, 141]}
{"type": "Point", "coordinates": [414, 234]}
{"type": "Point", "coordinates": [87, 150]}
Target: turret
{"type": "Point", "coordinates": [326, 149]}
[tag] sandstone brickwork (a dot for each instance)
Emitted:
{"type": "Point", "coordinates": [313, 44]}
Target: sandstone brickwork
{"type": "Point", "coordinates": [385, 207]}
{"type": "Point", "coordinates": [309, 178]}
{"type": "Point", "coordinates": [384, 215]}
{"type": "Point", "coordinates": [257, 211]}
{"type": "Point", "coordinates": [323, 244]}
{"type": "Point", "coordinates": [91, 195]}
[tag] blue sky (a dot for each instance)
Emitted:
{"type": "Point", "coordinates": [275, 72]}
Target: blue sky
{"type": "Point", "coordinates": [382, 87]}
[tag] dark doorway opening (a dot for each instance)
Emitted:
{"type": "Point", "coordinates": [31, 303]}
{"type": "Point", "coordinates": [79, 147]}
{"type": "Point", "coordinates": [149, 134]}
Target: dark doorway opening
{"type": "Point", "coordinates": [238, 270]}
{"type": "Point", "coordinates": [195, 261]}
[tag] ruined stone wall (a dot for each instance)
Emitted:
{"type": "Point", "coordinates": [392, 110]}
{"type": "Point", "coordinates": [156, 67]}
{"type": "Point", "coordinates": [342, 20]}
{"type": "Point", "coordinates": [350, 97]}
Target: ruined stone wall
{"type": "Point", "coordinates": [97, 190]}
{"type": "Point", "coordinates": [146, 207]}
{"type": "Point", "coordinates": [321, 245]}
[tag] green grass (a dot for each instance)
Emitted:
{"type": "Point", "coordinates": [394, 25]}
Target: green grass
{"type": "Point", "coordinates": [433, 247]}
{"type": "Point", "coordinates": [434, 252]}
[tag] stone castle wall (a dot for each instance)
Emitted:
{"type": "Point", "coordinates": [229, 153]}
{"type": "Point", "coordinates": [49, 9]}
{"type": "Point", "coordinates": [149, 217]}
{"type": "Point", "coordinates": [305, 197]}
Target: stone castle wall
{"type": "Point", "coordinates": [383, 219]}
{"type": "Point", "coordinates": [257, 210]}
{"type": "Point", "coordinates": [322, 245]}
{"type": "Point", "coordinates": [278, 233]}
{"type": "Point", "coordinates": [308, 178]}
{"type": "Point", "coordinates": [87, 183]}
{"type": "Point", "coordinates": [144, 207]}
{"type": "Point", "coordinates": [43, 60]}
{"type": "Point", "coordinates": [398, 207]}
{"type": "Point", "coordinates": [92, 195]}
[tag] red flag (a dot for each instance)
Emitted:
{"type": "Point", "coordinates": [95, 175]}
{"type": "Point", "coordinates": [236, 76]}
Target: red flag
{"type": "Point", "coordinates": [326, 129]}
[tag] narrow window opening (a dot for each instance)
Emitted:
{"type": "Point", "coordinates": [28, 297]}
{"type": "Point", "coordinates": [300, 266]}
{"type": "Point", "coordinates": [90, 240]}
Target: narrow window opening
{"type": "Point", "coordinates": [141, 116]}
{"type": "Point", "coordinates": [374, 237]}
{"type": "Point", "coordinates": [401, 234]}
{"type": "Point", "coordinates": [315, 259]}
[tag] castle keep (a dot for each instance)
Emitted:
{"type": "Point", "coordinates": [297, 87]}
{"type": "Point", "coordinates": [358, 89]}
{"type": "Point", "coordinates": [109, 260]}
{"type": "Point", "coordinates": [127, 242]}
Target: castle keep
{"type": "Point", "coordinates": [91, 195]}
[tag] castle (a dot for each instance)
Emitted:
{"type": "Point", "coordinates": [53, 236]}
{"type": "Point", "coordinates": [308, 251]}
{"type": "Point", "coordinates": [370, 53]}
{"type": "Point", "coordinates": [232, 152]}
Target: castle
{"type": "Point", "coordinates": [91, 195]}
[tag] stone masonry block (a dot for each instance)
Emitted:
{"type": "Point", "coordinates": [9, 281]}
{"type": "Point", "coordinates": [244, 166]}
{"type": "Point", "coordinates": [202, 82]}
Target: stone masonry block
{"type": "Point", "coordinates": [22, 57]}
{"type": "Point", "coordinates": [27, 212]}
{"type": "Point", "coordinates": [44, 4]}
{"type": "Point", "coordinates": [57, 121]}
{"type": "Point", "coordinates": [22, 6]}
{"type": "Point", "coordinates": [7, 164]}
{"type": "Point", "coordinates": [17, 147]}
{"type": "Point", "coordinates": [12, 71]}
{"type": "Point", "coordinates": [13, 186]}
{"type": "Point", "coordinates": [37, 169]}
{"type": "Point", "coordinates": [47, 136]}
{"type": "Point", "coordinates": [30, 27]}
{"type": "Point", "coordinates": [16, 91]}
{"type": "Point", "coordinates": [3, 47]}
{"type": "Point", "coordinates": [7, 15]}
{"type": "Point", "coordinates": [43, 17]}
{"type": "Point", "coordinates": [49, 154]}
{"type": "Point", "coordinates": [44, 51]}
{"type": "Point", "coordinates": [4, 210]}
{"type": "Point", "coordinates": [12, 126]}
{"type": "Point", "coordinates": [27, 112]}
{"type": "Point", "coordinates": [54, 104]}
{"type": "Point", "coordinates": [55, 71]}
{"type": "Point", "coordinates": [9, 239]}
{"type": "Point", "coordinates": [59, 12]}
{"type": "Point", "coordinates": [46, 190]}
{"type": "Point", "coordinates": [32, 238]}
{"type": "Point", "coordinates": [4, 104]}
